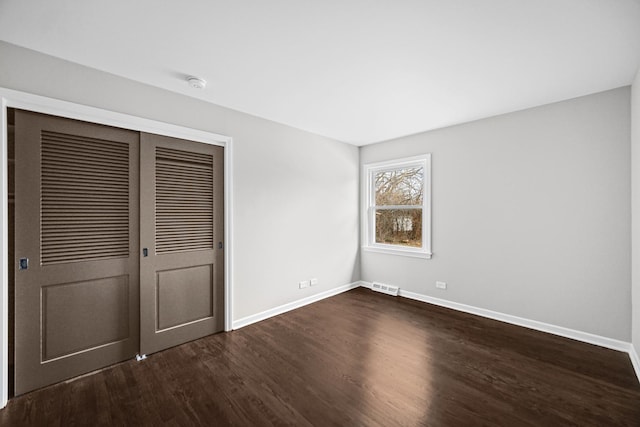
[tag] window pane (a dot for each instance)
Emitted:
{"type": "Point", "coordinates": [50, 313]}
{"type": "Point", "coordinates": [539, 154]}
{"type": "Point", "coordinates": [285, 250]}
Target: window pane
{"type": "Point", "coordinates": [399, 227]}
{"type": "Point", "coordinates": [399, 186]}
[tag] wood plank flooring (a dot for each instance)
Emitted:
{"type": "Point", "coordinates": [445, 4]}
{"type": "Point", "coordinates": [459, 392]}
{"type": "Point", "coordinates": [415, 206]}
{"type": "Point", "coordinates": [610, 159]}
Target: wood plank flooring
{"type": "Point", "coordinates": [357, 359]}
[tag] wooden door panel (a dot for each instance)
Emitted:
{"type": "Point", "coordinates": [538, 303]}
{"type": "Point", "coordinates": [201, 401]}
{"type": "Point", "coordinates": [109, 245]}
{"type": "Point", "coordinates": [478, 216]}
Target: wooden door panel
{"type": "Point", "coordinates": [181, 227]}
{"type": "Point", "coordinates": [76, 306]}
{"type": "Point", "coordinates": [101, 319]}
{"type": "Point", "coordinates": [184, 295]}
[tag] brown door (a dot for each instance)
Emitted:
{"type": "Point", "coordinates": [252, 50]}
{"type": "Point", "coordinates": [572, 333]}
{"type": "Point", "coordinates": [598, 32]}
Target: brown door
{"type": "Point", "coordinates": [76, 248]}
{"type": "Point", "coordinates": [181, 235]}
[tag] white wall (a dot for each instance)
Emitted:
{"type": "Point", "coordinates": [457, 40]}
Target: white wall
{"type": "Point", "coordinates": [635, 185]}
{"type": "Point", "coordinates": [531, 215]}
{"type": "Point", "coordinates": [295, 193]}
{"type": "Point", "coordinates": [531, 209]}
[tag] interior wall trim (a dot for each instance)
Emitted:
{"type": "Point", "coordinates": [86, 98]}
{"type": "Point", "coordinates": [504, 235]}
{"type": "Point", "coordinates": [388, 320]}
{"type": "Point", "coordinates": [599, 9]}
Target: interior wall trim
{"type": "Point", "coordinates": [519, 321]}
{"type": "Point", "coordinates": [263, 315]}
{"type": "Point", "coordinates": [4, 257]}
{"type": "Point", "coordinates": [10, 98]}
{"type": "Point", "coordinates": [635, 360]}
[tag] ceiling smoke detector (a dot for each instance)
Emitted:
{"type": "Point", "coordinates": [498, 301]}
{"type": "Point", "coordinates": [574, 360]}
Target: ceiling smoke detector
{"type": "Point", "coordinates": [196, 82]}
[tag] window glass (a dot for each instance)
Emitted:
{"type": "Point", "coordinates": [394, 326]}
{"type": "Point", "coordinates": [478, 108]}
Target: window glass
{"type": "Point", "coordinates": [399, 186]}
{"type": "Point", "coordinates": [399, 227]}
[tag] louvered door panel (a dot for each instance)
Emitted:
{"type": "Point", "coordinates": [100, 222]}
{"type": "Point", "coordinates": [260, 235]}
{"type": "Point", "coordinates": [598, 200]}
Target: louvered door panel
{"type": "Point", "coordinates": [184, 201]}
{"type": "Point", "coordinates": [77, 302]}
{"type": "Point", "coordinates": [85, 198]}
{"type": "Point", "coordinates": [182, 223]}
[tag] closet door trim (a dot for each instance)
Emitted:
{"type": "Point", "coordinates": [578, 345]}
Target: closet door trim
{"type": "Point", "coordinates": [22, 100]}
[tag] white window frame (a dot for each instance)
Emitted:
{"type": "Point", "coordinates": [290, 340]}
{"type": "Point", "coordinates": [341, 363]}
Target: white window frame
{"type": "Point", "coordinates": [369, 171]}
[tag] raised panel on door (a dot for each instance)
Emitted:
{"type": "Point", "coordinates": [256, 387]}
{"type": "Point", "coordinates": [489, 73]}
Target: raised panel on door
{"type": "Point", "coordinates": [181, 234]}
{"type": "Point", "coordinates": [76, 201]}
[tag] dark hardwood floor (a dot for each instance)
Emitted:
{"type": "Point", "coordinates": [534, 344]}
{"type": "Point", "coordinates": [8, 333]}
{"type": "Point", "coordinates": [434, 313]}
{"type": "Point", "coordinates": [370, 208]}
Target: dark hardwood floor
{"type": "Point", "coordinates": [357, 359]}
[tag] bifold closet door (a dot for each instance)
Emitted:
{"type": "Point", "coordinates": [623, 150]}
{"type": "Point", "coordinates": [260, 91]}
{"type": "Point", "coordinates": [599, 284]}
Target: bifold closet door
{"type": "Point", "coordinates": [181, 235]}
{"type": "Point", "coordinates": [77, 272]}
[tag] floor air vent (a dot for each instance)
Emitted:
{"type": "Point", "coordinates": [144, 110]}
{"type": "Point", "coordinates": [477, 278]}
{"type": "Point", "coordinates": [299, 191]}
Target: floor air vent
{"type": "Point", "coordinates": [385, 289]}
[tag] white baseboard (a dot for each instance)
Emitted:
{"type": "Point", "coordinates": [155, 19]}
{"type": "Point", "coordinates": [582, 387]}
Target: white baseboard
{"type": "Point", "coordinates": [245, 321]}
{"type": "Point", "coordinates": [520, 321]}
{"type": "Point", "coordinates": [635, 361]}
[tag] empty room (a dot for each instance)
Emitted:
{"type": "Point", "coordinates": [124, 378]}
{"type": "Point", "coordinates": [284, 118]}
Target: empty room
{"type": "Point", "coordinates": [320, 213]}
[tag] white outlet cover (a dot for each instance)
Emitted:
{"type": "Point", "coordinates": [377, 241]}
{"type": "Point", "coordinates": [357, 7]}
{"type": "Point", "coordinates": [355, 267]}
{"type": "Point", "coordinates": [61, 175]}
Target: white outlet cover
{"type": "Point", "coordinates": [304, 284]}
{"type": "Point", "coordinates": [441, 285]}
{"type": "Point", "coordinates": [314, 281]}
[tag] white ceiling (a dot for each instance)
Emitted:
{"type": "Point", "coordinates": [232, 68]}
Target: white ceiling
{"type": "Point", "coordinates": [359, 71]}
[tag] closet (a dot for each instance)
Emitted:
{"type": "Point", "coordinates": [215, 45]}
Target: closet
{"type": "Point", "coordinates": [118, 245]}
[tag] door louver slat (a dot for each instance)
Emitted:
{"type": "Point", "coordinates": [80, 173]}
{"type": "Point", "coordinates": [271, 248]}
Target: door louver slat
{"type": "Point", "coordinates": [184, 200]}
{"type": "Point", "coordinates": [85, 198]}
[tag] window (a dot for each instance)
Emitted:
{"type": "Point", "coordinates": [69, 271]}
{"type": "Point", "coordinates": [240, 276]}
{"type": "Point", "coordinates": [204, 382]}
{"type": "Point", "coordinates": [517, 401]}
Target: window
{"type": "Point", "coordinates": [397, 207]}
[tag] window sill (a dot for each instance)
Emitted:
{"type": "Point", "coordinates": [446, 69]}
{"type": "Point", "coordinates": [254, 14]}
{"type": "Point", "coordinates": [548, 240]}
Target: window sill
{"type": "Point", "coordinates": [401, 252]}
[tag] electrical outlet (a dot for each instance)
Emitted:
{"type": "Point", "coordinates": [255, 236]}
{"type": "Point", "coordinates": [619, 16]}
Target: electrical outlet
{"type": "Point", "coordinates": [441, 285]}
{"type": "Point", "coordinates": [304, 284]}
{"type": "Point", "coordinates": [314, 281]}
